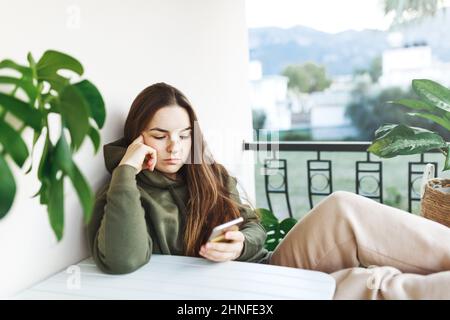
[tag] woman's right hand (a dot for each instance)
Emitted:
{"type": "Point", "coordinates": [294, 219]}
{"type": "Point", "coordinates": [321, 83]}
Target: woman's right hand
{"type": "Point", "coordinates": [139, 155]}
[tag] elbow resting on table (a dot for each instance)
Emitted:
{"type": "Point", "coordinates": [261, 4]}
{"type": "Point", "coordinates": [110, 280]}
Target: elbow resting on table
{"type": "Point", "coordinates": [120, 263]}
{"type": "Point", "coordinates": [124, 265]}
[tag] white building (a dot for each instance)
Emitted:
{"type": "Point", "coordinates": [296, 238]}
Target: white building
{"type": "Point", "coordinates": [269, 93]}
{"type": "Point", "coordinates": [327, 110]}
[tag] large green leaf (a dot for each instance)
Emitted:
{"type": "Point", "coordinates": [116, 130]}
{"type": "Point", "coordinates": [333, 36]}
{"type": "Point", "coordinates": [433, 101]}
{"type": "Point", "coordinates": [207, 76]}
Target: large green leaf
{"type": "Point", "coordinates": [45, 164]}
{"type": "Point", "coordinates": [36, 136]}
{"type": "Point", "coordinates": [267, 217]}
{"type": "Point", "coordinates": [84, 192]}
{"type": "Point", "coordinates": [94, 100]}
{"type": "Point", "coordinates": [51, 62]}
{"type": "Point", "coordinates": [57, 82]}
{"type": "Point", "coordinates": [25, 84]}
{"type": "Point", "coordinates": [45, 171]}
{"type": "Point", "coordinates": [381, 131]}
{"type": "Point", "coordinates": [9, 64]}
{"type": "Point", "coordinates": [7, 187]}
{"type": "Point", "coordinates": [287, 224]}
{"type": "Point", "coordinates": [417, 105]}
{"type": "Point", "coordinates": [394, 140]}
{"type": "Point", "coordinates": [75, 114]}
{"type": "Point", "coordinates": [276, 230]}
{"type": "Point", "coordinates": [43, 192]}
{"type": "Point", "coordinates": [433, 93]}
{"type": "Point", "coordinates": [13, 143]}
{"type": "Point", "coordinates": [442, 121]}
{"type": "Point", "coordinates": [32, 63]}
{"type": "Point", "coordinates": [54, 103]}
{"type": "Point", "coordinates": [63, 159]}
{"type": "Point", "coordinates": [273, 238]}
{"type": "Point", "coordinates": [63, 156]}
{"type": "Point", "coordinates": [95, 138]}
{"type": "Point", "coordinates": [41, 188]}
{"type": "Point", "coordinates": [56, 206]}
{"type": "Point", "coordinates": [22, 110]}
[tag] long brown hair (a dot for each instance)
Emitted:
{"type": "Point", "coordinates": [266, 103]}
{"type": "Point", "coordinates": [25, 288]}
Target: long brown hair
{"type": "Point", "coordinates": [210, 202]}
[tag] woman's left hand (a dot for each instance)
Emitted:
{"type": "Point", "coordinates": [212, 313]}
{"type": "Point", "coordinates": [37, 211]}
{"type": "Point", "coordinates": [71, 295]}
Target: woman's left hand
{"type": "Point", "coordinates": [224, 251]}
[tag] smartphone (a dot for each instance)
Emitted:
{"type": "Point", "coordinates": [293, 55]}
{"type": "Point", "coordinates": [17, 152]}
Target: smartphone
{"type": "Point", "coordinates": [218, 233]}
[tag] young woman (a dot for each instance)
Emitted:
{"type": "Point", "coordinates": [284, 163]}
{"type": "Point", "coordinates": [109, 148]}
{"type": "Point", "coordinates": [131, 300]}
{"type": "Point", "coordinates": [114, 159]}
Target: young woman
{"type": "Point", "coordinates": [167, 193]}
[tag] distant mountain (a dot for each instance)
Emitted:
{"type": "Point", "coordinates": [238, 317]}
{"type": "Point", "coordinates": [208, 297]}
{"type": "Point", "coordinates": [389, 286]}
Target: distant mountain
{"type": "Point", "coordinates": [343, 52]}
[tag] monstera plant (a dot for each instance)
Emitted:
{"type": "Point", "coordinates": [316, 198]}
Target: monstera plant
{"type": "Point", "coordinates": [276, 230]}
{"type": "Point", "coordinates": [29, 95]}
{"type": "Point", "coordinates": [398, 139]}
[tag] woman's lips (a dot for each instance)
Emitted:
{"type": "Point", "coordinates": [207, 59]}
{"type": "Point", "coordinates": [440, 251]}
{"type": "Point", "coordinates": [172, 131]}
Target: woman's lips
{"type": "Point", "coordinates": [172, 161]}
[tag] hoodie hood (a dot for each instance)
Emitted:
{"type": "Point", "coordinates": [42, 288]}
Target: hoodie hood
{"type": "Point", "coordinates": [113, 153]}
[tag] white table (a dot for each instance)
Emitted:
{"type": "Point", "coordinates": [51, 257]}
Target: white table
{"type": "Point", "coordinates": [176, 277]}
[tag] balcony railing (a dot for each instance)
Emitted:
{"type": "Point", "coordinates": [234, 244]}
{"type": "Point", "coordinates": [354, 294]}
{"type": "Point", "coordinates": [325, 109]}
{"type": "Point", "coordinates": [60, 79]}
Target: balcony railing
{"type": "Point", "coordinates": [369, 169]}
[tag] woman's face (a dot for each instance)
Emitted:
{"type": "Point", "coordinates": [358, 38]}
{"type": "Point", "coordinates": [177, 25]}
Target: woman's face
{"type": "Point", "coordinates": [169, 133]}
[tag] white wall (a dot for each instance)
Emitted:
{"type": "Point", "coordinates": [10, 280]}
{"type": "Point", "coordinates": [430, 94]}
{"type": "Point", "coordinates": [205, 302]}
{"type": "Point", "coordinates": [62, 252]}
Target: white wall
{"type": "Point", "coordinates": [199, 46]}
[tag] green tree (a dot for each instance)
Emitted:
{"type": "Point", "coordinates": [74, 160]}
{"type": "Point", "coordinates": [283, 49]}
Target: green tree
{"type": "Point", "coordinates": [375, 69]}
{"type": "Point", "coordinates": [306, 78]}
{"type": "Point", "coordinates": [368, 111]}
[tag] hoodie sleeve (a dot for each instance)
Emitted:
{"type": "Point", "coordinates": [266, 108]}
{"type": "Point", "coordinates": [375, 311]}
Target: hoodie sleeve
{"type": "Point", "coordinates": [254, 232]}
{"type": "Point", "coordinates": [118, 237]}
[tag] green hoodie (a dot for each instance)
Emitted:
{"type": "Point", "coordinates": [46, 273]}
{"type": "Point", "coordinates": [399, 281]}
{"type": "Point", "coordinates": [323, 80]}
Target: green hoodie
{"type": "Point", "coordinates": [137, 215]}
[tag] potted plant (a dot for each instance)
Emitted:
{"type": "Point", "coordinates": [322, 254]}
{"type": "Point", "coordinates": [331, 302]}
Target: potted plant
{"type": "Point", "coordinates": [29, 94]}
{"type": "Point", "coordinates": [391, 140]}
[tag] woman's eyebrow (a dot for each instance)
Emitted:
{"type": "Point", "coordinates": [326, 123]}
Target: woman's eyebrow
{"type": "Point", "coordinates": [164, 130]}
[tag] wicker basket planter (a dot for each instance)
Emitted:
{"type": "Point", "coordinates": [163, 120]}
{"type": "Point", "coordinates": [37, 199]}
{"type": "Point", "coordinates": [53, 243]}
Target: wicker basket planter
{"type": "Point", "coordinates": [436, 201]}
